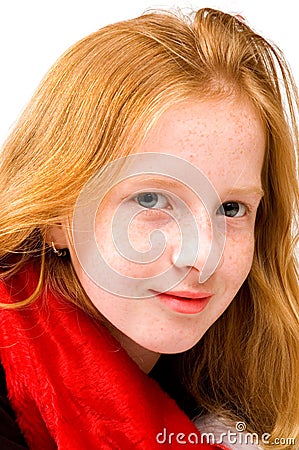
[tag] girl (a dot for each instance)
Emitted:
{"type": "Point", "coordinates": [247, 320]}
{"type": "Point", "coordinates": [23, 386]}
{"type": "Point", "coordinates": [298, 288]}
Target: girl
{"type": "Point", "coordinates": [180, 130]}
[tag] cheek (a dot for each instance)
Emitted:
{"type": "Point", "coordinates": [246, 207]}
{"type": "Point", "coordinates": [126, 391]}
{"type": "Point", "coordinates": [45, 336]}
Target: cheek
{"type": "Point", "coordinates": [137, 250]}
{"type": "Point", "coordinates": [102, 300]}
{"type": "Point", "coordinates": [238, 258]}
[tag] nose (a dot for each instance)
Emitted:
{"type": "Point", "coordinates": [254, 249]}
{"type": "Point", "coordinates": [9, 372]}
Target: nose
{"type": "Point", "coordinates": [200, 247]}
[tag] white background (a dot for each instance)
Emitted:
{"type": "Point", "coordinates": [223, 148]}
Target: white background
{"type": "Point", "coordinates": [34, 33]}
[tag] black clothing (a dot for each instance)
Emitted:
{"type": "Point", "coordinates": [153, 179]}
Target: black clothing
{"type": "Point", "coordinates": [167, 373]}
{"type": "Point", "coordinates": [11, 437]}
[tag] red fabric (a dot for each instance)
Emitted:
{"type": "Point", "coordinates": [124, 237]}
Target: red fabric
{"type": "Point", "coordinates": [73, 387]}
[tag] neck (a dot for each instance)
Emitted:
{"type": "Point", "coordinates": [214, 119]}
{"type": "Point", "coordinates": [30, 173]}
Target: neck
{"type": "Point", "coordinates": [144, 358]}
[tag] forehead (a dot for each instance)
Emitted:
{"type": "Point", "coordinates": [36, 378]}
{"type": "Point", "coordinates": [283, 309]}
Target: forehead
{"type": "Point", "coordinates": [223, 138]}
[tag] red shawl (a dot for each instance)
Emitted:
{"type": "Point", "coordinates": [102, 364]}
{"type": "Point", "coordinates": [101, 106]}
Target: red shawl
{"type": "Point", "coordinates": [73, 387]}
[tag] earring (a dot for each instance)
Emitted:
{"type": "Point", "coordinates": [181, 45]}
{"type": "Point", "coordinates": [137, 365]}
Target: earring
{"type": "Point", "coordinates": [58, 252]}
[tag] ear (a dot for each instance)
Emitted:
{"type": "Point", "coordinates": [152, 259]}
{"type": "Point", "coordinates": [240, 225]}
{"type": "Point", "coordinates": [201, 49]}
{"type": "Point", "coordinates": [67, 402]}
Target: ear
{"type": "Point", "coordinates": [58, 235]}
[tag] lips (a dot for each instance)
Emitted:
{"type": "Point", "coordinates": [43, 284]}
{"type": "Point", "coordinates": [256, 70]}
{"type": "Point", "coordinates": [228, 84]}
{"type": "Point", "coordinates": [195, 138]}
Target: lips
{"type": "Point", "coordinates": [185, 302]}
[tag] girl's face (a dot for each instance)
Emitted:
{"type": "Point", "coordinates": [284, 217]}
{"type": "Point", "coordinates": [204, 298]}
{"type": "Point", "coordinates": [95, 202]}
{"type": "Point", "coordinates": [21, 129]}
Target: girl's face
{"type": "Point", "coordinates": [225, 140]}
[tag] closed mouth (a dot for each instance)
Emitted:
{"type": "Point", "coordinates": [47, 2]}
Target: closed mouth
{"type": "Point", "coordinates": [185, 302]}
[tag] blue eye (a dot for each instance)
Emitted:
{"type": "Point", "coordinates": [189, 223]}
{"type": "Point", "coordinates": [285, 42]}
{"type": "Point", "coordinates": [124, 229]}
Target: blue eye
{"type": "Point", "coordinates": [232, 209]}
{"type": "Point", "coordinates": [151, 200]}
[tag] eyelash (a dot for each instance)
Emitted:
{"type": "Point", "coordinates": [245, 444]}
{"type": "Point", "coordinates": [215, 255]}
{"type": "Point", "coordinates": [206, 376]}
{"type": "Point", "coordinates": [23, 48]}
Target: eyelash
{"type": "Point", "coordinates": [153, 194]}
{"type": "Point", "coordinates": [244, 207]}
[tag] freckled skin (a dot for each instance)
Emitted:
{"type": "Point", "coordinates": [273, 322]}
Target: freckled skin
{"type": "Point", "coordinates": [225, 140]}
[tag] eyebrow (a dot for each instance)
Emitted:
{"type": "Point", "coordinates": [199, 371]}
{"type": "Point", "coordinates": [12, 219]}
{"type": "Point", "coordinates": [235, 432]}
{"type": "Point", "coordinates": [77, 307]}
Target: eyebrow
{"type": "Point", "coordinates": [246, 190]}
{"type": "Point", "coordinates": [161, 182]}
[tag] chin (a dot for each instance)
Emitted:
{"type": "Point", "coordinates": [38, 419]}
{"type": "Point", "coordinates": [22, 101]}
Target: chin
{"type": "Point", "coordinates": [170, 347]}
